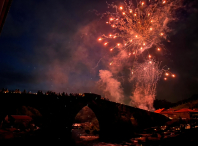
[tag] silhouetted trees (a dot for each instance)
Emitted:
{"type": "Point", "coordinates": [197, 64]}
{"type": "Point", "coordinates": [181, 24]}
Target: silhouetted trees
{"type": "Point", "coordinates": [161, 104]}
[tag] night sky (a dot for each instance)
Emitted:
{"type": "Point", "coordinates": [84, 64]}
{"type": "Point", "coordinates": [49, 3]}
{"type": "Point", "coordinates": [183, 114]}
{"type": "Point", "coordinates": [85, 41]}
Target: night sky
{"type": "Point", "coordinates": [52, 45]}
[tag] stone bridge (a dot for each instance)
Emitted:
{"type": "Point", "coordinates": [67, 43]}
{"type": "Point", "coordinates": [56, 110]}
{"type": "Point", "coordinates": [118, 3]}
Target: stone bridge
{"type": "Point", "coordinates": [116, 121]}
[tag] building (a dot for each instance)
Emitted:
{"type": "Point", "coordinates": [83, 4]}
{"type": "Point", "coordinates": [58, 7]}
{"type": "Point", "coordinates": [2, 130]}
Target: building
{"type": "Point", "coordinates": [184, 113]}
{"type": "Point", "coordinates": [5, 91]}
{"type": "Point", "coordinates": [17, 91]}
{"type": "Point", "coordinates": [17, 121]}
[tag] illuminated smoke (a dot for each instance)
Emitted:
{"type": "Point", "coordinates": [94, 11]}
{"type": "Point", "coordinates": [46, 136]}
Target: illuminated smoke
{"type": "Point", "coordinates": [144, 77]}
{"type": "Point", "coordinates": [112, 87]}
{"type": "Point", "coordinates": [137, 29]}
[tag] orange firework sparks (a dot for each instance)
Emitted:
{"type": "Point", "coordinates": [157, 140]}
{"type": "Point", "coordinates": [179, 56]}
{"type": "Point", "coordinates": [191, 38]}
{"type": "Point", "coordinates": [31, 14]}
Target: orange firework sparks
{"type": "Point", "coordinates": [145, 24]}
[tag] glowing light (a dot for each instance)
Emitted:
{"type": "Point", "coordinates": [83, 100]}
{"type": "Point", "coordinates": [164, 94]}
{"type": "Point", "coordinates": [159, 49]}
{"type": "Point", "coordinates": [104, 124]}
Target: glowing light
{"type": "Point", "coordinates": [105, 44]}
{"type": "Point", "coordinates": [165, 78]}
{"type": "Point", "coordinates": [167, 74]}
{"type": "Point", "coordinates": [135, 32]}
{"type": "Point", "coordinates": [100, 39]}
{"type": "Point", "coordinates": [107, 22]}
{"type": "Point", "coordinates": [173, 75]}
{"type": "Point", "coordinates": [110, 35]}
{"type": "Point", "coordinates": [111, 19]}
{"type": "Point", "coordinates": [164, 2]}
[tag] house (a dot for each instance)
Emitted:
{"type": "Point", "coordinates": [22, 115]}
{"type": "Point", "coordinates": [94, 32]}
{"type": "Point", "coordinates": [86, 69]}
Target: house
{"type": "Point", "coordinates": [18, 121]}
{"type": "Point", "coordinates": [17, 91]}
{"type": "Point", "coordinates": [184, 113]}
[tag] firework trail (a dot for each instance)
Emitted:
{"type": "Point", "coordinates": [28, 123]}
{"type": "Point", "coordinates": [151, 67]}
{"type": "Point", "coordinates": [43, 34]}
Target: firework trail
{"type": "Point", "coordinates": [145, 76]}
{"type": "Point", "coordinates": [138, 28]}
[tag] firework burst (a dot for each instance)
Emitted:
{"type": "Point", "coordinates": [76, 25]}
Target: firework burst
{"type": "Point", "coordinates": [139, 28]}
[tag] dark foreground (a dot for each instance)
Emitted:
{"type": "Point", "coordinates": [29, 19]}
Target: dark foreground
{"type": "Point", "coordinates": [187, 137]}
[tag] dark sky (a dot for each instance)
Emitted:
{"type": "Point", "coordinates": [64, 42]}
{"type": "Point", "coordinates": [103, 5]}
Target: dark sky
{"type": "Point", "coordinates": [52, 45]}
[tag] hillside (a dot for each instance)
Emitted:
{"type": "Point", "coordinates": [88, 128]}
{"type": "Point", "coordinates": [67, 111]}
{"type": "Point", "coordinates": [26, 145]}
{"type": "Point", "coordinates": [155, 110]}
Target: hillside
{"type": "Point", "coordinates": [191, 103]}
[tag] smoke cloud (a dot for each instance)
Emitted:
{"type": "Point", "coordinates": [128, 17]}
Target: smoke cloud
{"type": "Point", "coordinates": [112, 87]}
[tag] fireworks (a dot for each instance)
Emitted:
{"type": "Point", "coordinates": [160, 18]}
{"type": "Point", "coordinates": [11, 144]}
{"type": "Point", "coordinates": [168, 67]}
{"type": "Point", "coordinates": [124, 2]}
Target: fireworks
{"type": "Point", "coordinates": [143, 25]}
{"type": "Point", "coordinates": [145, 76]}
{"type": "Point", "coordinates": [140, 28]}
